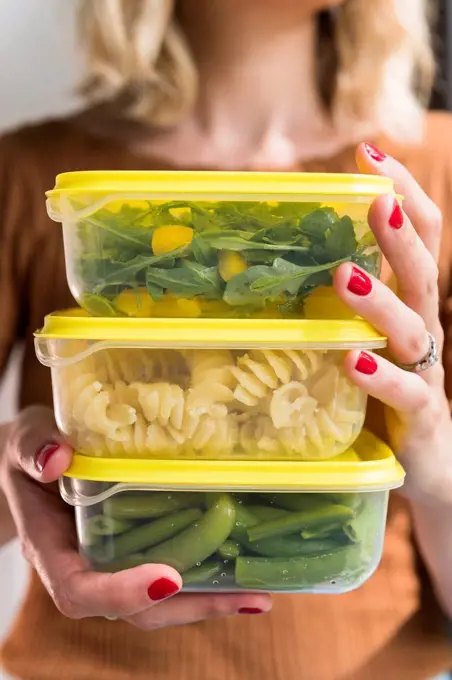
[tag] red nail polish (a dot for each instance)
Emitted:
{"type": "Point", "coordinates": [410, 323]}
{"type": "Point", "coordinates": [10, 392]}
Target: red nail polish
{"type": "Point", "coordinates": [374, 153]}
{"type": "Point", "coordinates": [366, 364]}
{"type": "Point", "coordinates": [396, 217]}
{"type": "Point", "coordinates": [359, 283]}
{"type": "Point", "coordinates": [162, 588]}
{"type": "Point", "coordinates": [44, 454]}
{"type": "Point", "coordinates": [250, 610]}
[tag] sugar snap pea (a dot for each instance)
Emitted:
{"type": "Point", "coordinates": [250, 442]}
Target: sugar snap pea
{"type": "Point", "coordinates": [229, 550]}
{"type": "Point", "coordinates": [244, 519]}
{"type": "Point", "coordinates": [200, 540]}
{"type": "Point", "coordinates": [293, 546]}
{"type": "Point", "coordinates": [149, 505]}
{"type": "Point", "coordinates": [297, 521]}
{"type": "Point", "coordinates": [267, 512]}
{"type": "Point", "coordinates": [202, 574]}
{"type": "Point", "coordinates": [297, 572]}
{"type": "Point", "coordinates": [152, 533]}
{"type": "Point", "coordinates": [103, 525]}
{"type": "Point", "coordinates": [322, 531]}
{"type": "Point", "coordinates": [301, 501]}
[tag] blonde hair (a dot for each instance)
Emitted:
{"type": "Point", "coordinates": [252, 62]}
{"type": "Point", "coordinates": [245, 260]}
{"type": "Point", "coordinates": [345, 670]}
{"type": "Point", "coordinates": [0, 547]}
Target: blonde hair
{"type": "Point", "coordinates": [376, 62]}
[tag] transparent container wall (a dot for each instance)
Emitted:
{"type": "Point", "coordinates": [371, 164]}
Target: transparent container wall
{"type": "Point", "coordinates": [224, 259]}
{"type": "Point", "coordinates": [214, 404]}
{"type": "Point", "coordinates": [295, 542]}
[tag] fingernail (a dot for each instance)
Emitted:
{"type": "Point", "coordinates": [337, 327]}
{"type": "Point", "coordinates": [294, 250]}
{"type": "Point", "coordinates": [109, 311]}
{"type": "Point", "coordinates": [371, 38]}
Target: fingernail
{"type": "Point", "coordinates": [366, 364]}
{"type": "Point", "coordinates": [44, 454]}
{"type": "Point", "coordinates": [250, 610]}
{"type": "Point", "coordinates": [162, 588]}
{"type": "Point", "coordinates": [374, 153]}
{"type": "Point", "coordinates": [359, 283]}
{"type": "Point", "coordinates": [396, 217]}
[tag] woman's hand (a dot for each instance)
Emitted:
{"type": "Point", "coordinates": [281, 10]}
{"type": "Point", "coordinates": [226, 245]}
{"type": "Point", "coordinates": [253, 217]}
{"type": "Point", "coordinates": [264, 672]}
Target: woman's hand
{"type": "Point", "coordinates": [417, 412]}
{"type": "Point", "coordinates": [34, 457]}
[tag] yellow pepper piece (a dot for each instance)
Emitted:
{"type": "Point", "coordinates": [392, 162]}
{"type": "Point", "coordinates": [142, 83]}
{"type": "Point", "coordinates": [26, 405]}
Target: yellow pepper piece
{"type": "Point", "coordinates": [173, 307]}
{"type": "Point", "coordinates": [231, 264]}
{"type": "Point", "coordinates": [170, 237]}
{"type": "Point", "coordinates": [323, 303]}
{"type": "Point", "coordinates": [136, 302]}
{"type": "Point", "coordinates": [115, 206]}
{"type": "Point", "coordinates": [178, 213]}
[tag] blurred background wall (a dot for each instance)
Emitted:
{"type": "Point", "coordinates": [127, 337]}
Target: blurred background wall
{"type": "Point", "coordinates": [39, 70]}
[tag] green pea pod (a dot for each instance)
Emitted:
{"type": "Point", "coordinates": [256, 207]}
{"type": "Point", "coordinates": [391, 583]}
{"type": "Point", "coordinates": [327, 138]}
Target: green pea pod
{"type": "Point", "coordinates": [149, 505]}
{"type": "Point", "coordinates": [244, 519]}
{"type": "Point", "coordinates": [265, 513]}
{"type": "Point", "coordinates": [97, 526]}
{"type": "Point", "coordinates": [148, 535]}
{"type": "Point", "coordinates": [200, 540]}
{"type": "Point", "coordinates": [265, 573]}
{"type": "Point", "coordinates": [292, 546]}
{"type": "Point", "coordinates": [353, 500]}
{"type": "Point", "coordinates": [297, 521]}
{"type": "Point", "coordinates": [230, 550]}
{"type": "Point", "coordinates": [321, 532]}
{"type": "Point", "coordinates": [301, 501]}
{"type": "Point", "coordinates": [202, 574]}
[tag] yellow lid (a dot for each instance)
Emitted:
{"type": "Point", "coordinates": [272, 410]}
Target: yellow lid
{"type": "Point", "coordinates": [369, 466]}
{"type": "Point", "coordinates": [253, 185]}
{"type": "Point", "coordinates": [241, 333]}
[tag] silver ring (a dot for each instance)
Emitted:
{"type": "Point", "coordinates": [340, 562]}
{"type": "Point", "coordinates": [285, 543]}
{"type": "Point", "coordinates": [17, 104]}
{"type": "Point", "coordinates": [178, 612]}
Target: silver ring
{"type": "Point", "coordinates": [430, 359]}
{"type": "Point", "coordinates": [111, 618]}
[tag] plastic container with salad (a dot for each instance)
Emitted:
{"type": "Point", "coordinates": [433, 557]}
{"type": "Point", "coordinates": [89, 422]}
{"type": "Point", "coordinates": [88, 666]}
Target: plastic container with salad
{"type": "Point", "coordinates": [213, 244]}
{"type": "Point", "coordinates": [305, 527]}
{"type": "Point", "coordinates": [250, 389]}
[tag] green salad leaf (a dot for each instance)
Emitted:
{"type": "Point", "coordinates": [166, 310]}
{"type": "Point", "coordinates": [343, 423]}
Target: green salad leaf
{"type": "Point", "coordinates": [287, 249]}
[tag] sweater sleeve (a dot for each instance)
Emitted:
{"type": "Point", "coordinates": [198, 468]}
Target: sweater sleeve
{"type": "Point", "coordinates": [14, 252]}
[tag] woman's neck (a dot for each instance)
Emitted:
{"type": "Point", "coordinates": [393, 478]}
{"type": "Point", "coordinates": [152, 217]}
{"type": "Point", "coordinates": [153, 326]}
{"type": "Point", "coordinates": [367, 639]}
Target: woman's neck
{"type": "Point", "coordinates": [258, 101]}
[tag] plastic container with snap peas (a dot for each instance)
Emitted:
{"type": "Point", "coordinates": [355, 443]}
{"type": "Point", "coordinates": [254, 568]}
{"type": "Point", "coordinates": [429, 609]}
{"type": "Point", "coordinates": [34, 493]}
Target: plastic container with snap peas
{"type": "Point", "coordinates": [231, 526]}
{"type": "Point", "coordinates": [213, 244]}
{"type": "Point", "coordinates": [238, 389]}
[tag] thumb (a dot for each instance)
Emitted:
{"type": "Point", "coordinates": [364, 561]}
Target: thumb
{"type": "Point", "coordinates": [36, 447]}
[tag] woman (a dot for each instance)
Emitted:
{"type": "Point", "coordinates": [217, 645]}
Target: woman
{"type": "Point", "coordinates": [294, 84]}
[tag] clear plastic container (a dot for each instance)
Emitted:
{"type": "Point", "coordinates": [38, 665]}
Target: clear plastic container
{"type": "Point", "coordinates": [213, 244]}
{"type": "Point", "coordinates": [296, 527]}
{"type": "Point", "coordinates": [211, 389]}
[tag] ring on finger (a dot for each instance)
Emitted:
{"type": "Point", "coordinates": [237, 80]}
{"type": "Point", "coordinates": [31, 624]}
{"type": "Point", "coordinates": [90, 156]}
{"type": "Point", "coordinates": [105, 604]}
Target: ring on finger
{"type": "Point", "coordinates": [429, 360]}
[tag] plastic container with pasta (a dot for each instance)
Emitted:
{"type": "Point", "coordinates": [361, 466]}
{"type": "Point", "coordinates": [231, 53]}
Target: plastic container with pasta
{"type": "Point", "coordinates": [209, 389]}
{"type": "Point", "coordinates": [213, 244]}
{"type": "Point", "coordinates": [304, 527]}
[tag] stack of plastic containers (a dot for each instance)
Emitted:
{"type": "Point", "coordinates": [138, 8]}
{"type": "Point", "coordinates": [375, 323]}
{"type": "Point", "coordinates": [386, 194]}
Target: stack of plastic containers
{"type": "Point", "coordinates": [201, 383]}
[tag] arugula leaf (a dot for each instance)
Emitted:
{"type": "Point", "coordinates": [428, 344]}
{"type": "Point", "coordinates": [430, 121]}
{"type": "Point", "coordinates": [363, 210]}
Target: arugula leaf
{"type": "Point", "coordinates": [126, 273]}
{"type": "Point", "coordinates": [187, 280]}
{"type": "Point", "coordinates": [285, 276]}
{"type": "Point", "coordinates": [241, 240]}
{"type": "Point", "coordinates": [203, 252]}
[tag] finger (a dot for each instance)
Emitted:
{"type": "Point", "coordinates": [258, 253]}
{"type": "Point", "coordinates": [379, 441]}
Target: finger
{"type": "Point", "coordinates": [192, 608]}
{"type": "Point", "coordinates": [422, 211]}
{"type": "Point", "coordinates": [382, 380]}
{"type": "Point", "coordinates": [121, 595]}
{"type": "Point", "coordinates": [408, 340]}
{"type": "Point", "coordinates": [413, 265]}
{"type": "Point", "coordinates": [36, 446]}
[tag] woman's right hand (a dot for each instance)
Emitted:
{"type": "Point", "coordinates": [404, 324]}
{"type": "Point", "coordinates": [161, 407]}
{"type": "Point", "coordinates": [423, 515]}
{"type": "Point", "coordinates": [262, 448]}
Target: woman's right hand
{"type": "Point", "coordinates": [35, 456]}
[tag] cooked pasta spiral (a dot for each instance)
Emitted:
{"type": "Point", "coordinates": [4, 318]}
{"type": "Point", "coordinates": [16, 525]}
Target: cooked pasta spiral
{"type": "Point", "coordinates": [135, 402]}
{"type": "Point", "coordinates": [263, 370]}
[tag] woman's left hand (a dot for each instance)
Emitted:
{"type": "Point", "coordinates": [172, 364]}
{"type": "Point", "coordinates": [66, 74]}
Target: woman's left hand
{"type": "Point", "coordinates": [406, 310]}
